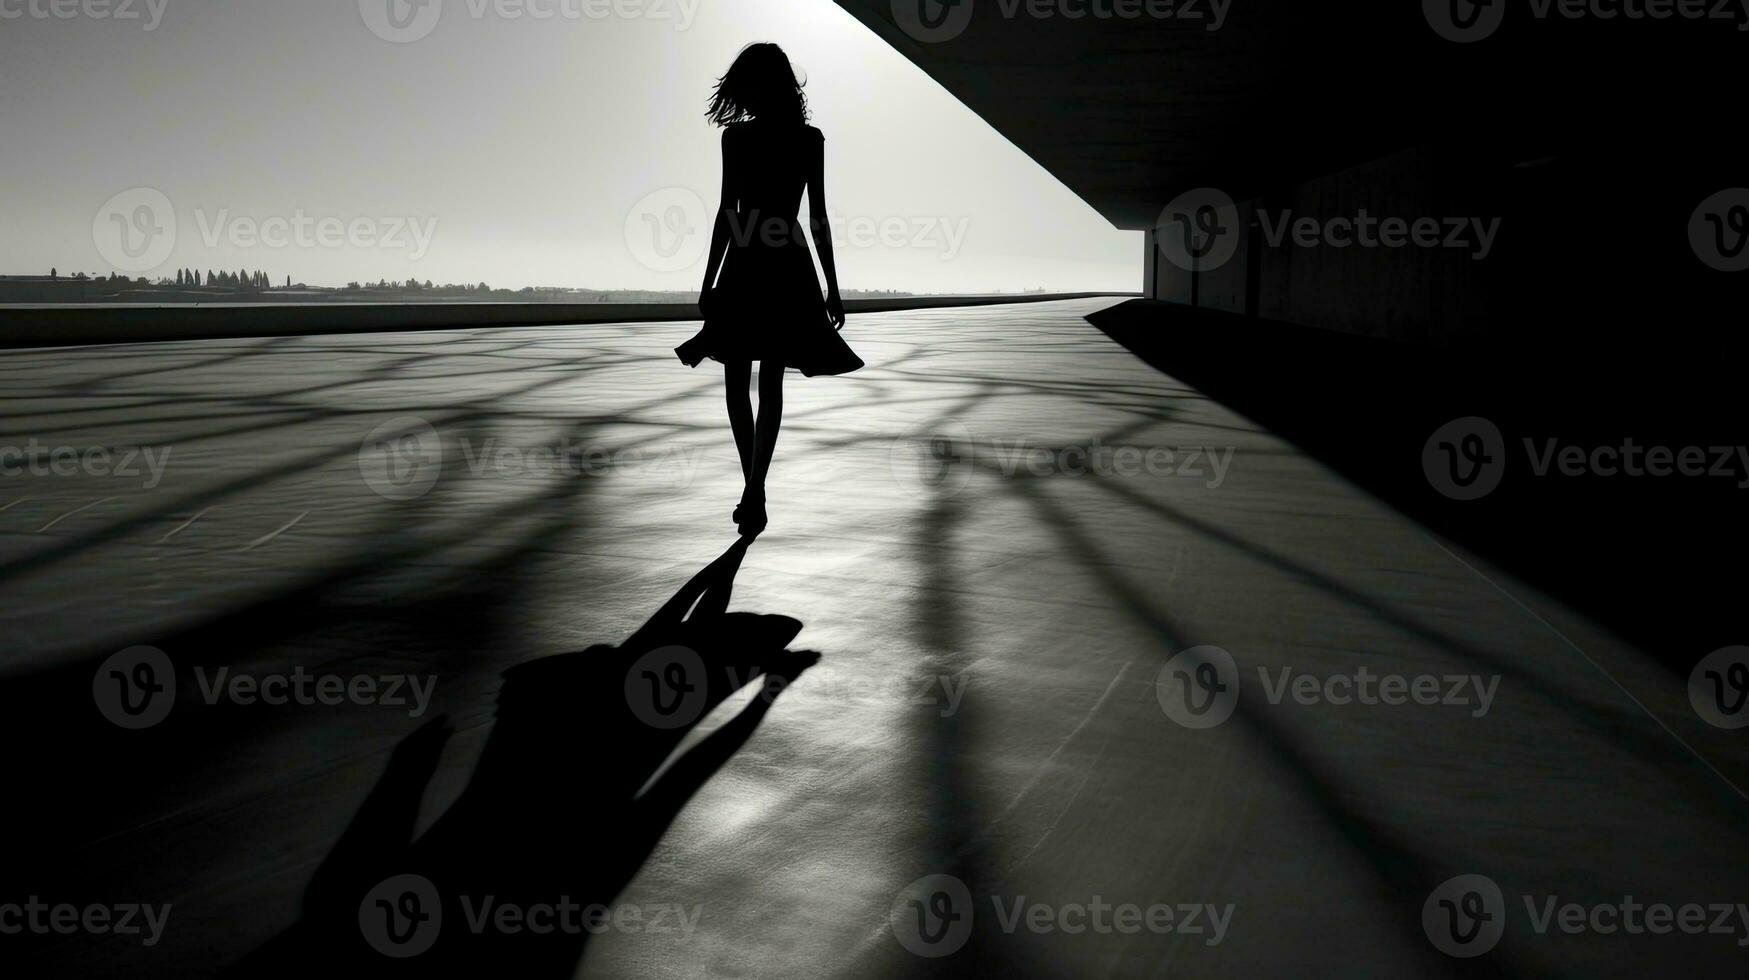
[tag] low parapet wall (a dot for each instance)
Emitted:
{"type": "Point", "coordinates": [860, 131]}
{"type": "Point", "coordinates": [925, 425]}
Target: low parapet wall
{"type": "Point", "coordinates": [61, 325]}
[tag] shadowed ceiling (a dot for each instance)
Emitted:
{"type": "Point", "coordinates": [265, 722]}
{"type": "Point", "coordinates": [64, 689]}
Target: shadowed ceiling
{"type": "Point", "coordinates": [1130, 111]}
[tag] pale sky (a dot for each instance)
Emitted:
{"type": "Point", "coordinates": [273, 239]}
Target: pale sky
{"type": "Point", "coordinates": [498, 146]}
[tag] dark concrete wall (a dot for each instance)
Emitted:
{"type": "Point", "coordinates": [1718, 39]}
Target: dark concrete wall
{"type": "Point", "coordinates": [1410, 293]}
{"type": "Point", "coordinates": [1169, 282]}
{"type": "Point", "coordinates": [1590, 246]}
{"type": "Point", "coordinates": [1224, 288]}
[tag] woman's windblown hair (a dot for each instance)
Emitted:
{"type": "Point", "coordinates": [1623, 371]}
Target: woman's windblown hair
{"type": "Point", "coordinates": [760, 84]}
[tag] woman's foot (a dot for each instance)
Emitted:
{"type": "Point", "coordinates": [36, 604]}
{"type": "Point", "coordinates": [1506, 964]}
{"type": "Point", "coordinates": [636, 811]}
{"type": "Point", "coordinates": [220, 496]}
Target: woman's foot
{"type": "Point", "coordinates": [749, 500]}
{"type": "Point", "coordinates": [750, 513]}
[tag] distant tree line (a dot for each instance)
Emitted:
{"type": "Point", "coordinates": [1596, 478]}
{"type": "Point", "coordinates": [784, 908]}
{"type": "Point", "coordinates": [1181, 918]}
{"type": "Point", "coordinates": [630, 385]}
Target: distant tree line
{"type": "Point", "coordinates": [258, 280]}
{"type": "Point", "coordinates": [414, 285]}
{"type": "Point", "coordinates": [241, 279]}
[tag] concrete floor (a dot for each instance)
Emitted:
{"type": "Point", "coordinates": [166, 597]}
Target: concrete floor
{"type": "Point", "coordinates": [1047, 602]}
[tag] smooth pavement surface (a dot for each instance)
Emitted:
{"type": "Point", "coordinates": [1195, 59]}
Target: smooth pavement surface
{"type": "Point", "coordinates": [1001, 537]}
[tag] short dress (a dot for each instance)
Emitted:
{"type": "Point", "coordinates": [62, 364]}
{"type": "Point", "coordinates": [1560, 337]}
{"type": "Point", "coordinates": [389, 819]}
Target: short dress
{"type": "Point", "coordinates": [767, 305]}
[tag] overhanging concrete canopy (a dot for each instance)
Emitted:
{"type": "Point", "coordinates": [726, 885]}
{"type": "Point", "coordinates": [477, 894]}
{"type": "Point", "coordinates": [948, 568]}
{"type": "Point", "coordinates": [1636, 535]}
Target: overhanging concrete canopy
{"type": "Point", "coordinates": [1252, 95]}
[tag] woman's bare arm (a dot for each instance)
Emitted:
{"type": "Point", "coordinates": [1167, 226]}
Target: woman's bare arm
{"type": "Point", "coordinates": [720, 226]}
{"type": "Point", "coordinates": [821, 229]}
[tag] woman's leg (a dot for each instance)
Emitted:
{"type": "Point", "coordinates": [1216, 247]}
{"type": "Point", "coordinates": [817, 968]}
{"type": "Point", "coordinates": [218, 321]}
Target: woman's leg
{"type": "Point", "coordinates": [736, 376]}
{"type": "Point", "coordinates": [770, 418]}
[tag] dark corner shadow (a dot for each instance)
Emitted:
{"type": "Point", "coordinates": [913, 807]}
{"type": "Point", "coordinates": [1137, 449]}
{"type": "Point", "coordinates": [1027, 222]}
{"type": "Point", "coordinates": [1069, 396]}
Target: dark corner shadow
{"type": "Point", "coordinates": [560, 808]}
{"type": "Point", "coordinates": [1619, 550]}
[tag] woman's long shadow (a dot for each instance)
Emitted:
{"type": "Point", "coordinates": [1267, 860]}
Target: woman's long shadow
{"type": "Point", "coordinates": [560, 813]}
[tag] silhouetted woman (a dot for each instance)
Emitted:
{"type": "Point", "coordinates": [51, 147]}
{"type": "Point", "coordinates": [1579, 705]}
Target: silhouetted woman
{"type": "Point", "coordinates": [766, 305]}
